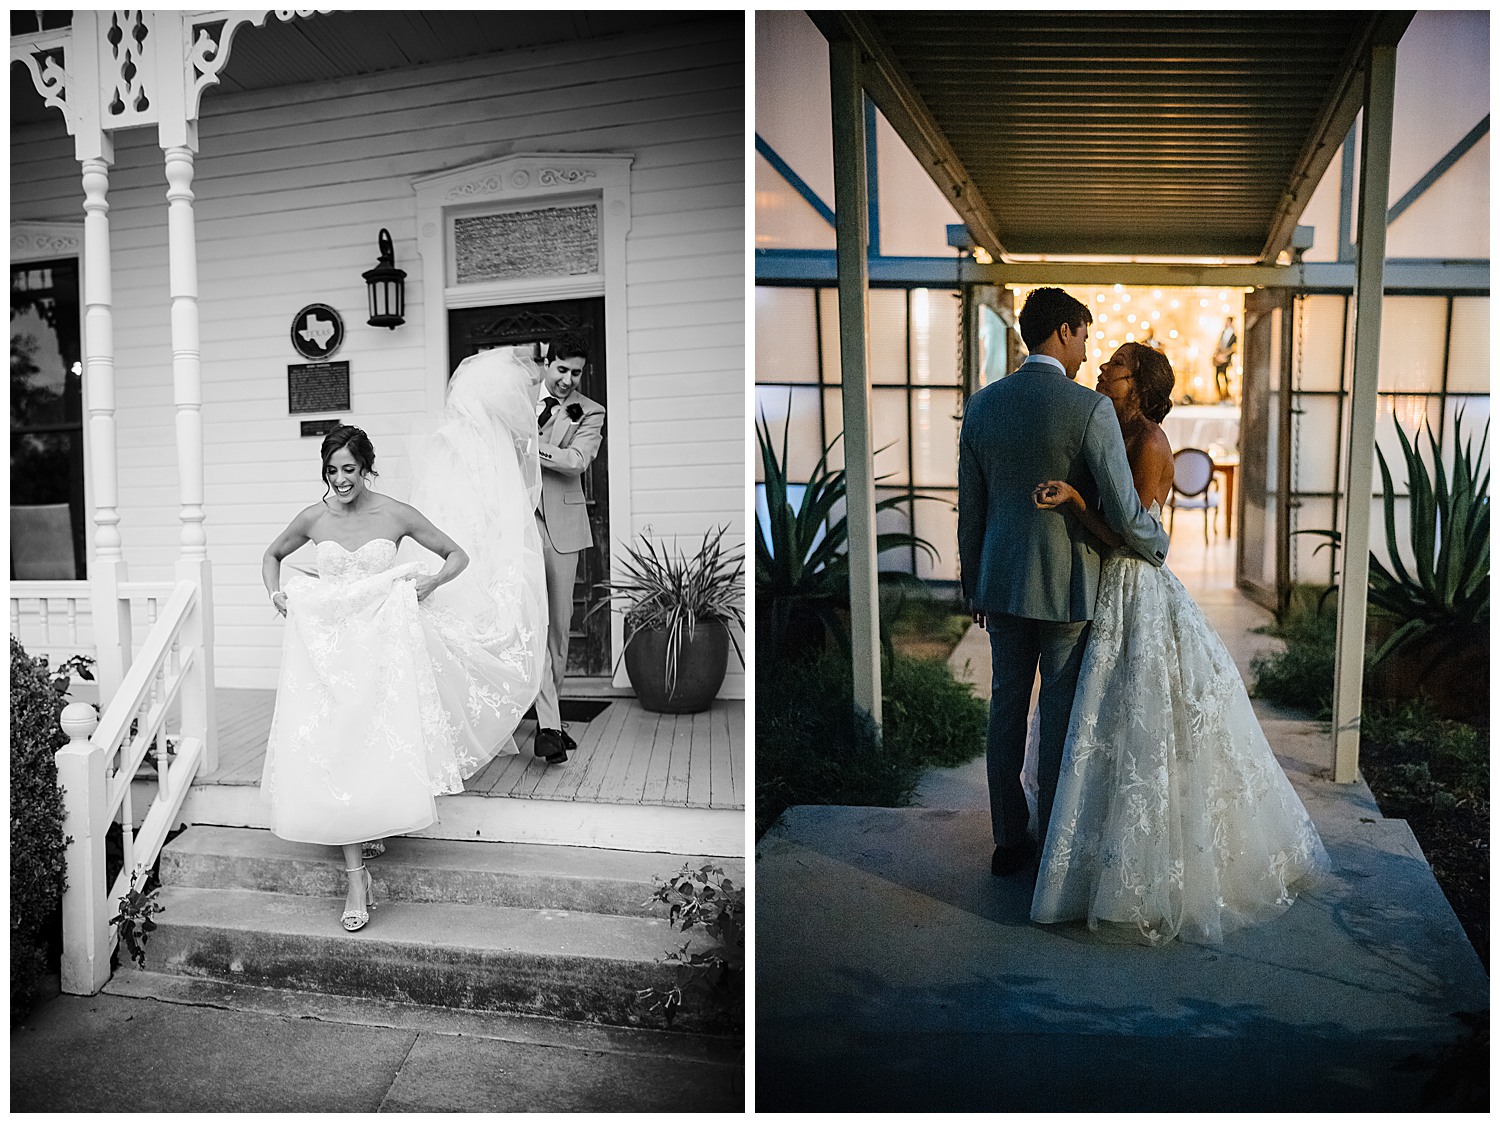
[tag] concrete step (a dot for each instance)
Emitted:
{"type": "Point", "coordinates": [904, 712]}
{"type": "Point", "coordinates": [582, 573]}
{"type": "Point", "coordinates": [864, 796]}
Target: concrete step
{"type": "Point", "coordinates": [562, 964]}
{"type": "Point", "coordinates": [513, 875]}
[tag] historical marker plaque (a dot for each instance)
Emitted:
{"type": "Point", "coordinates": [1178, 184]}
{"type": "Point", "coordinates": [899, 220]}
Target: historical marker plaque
{"type": "Point", "coordinates": [317, 387]}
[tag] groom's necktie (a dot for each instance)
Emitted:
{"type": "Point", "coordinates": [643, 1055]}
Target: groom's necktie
{"type": "Point", "coordinates": [551, 404]}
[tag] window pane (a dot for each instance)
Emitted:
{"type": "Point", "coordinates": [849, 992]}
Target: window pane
{"type": "Point", "coordinates": [545, 242]}
{"type": "Point", "coordinates": [1412, 334]}
{"type": "Point", "coordinates": [833, 421]}
{"type": "Point", "coordinates": [1311, 566]}
{"type": "Point", "coordinates": [887, 335]}
{"type": "Point", "coordinates": [1476, 413]}
{"type": "Point", "coordinates": [889, 436]}
{"type": "Point", "coordinates": [937, 522]}
{"type": "Point", "coordinates": [934, 437]}
{"type": "Point", "coordinates": [786, 347]}
{"type": "Point", "coordinates": [783, 218]}
{"type": "Point", "coordinates": [828, 306]}
{"type": "Point", "coordinates": [934, 337]}
{"type": "Point", "coordinates": [1469, 345]}
{"type": "Point", "coordinates": [1401, 509]}
{"type": "Point", "coordinates": [1414, 412]}
{"type": "Point", "coordinates": [791, 411]}
{"type": "Point", "coordinates": [1318, 356]}
{"type": "Point", "coordinates": [46, 506]}
{"type": "Point", "coordinates": [894, 520]}
{"type": "Point", "coordinates": [1313, 443]}
{"type": "Point", "coordinates": [46, 391]}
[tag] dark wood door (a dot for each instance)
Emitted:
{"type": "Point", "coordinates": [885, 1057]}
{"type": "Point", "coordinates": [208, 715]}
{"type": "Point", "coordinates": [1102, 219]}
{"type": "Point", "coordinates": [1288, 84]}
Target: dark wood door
{"type": "Point", "coordinates": [471, 330]}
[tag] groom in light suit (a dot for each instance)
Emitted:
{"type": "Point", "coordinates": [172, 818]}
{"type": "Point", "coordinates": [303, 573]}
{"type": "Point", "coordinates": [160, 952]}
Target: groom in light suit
{"type": "Point", "coordinates": [570, 427]}
{"type": "Point", "coordinates": [1030, 575]}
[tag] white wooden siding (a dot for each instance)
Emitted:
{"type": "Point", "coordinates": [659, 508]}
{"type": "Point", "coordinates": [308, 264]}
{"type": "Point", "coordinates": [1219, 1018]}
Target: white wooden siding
{"type": "Point", "coordinates": [292, 187]}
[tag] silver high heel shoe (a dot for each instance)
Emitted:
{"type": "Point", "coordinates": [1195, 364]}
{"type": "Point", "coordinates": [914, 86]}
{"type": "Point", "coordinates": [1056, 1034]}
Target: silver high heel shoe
{"type": "Point", "coordinates": [353, 920]}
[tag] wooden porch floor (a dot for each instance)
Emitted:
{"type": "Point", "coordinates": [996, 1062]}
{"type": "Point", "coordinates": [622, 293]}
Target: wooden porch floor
{"type": "Point", "coordinates": [626, 755]}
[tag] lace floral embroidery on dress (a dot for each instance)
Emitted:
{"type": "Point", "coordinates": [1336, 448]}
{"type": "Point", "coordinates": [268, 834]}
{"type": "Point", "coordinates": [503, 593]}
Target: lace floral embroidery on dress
{"type": "Point", "coordinates": [1172, 816]}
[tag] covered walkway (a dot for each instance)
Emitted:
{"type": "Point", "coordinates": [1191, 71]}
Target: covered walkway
{"type": "Point", "coordinates": [895, 973]}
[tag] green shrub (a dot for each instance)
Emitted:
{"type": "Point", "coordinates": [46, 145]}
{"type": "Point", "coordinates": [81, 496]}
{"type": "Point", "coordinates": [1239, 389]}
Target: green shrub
{"type": "Point", "coordinates": [1450, 754]}
{"type": "Point", "coordinates": [37, 865]}
{"type": "Point", "coordinates": [929, 718]}
{"type": "Point", "coordinates": [1302, 675]}
{"type": "Point", "coordinates": [813, 747]}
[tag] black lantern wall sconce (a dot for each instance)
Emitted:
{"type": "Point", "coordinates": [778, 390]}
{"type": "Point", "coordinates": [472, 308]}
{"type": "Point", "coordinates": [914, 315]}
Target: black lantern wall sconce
{"type": "Point", "coordinates": [387, 286]}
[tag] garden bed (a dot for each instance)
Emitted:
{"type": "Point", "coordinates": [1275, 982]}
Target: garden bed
{"type": "Point", "coordinates": [1435, 775]}
{"type": "Point", "coordinates": [811, 747]}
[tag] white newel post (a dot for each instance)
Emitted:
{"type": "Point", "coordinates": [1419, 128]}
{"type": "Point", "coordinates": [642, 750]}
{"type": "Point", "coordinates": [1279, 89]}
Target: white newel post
{"type": "Point", "coordinates": [111, 616]}
{"type": "Point", "coordinates": [187, 394]}
{"type": "Point", "coordinates": [80, 774]}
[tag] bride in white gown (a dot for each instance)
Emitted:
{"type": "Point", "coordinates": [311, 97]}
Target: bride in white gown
{"type": "Point", "coordinates": [1172, 816]}
{"type": "Point", "coordinates": [398, 683]}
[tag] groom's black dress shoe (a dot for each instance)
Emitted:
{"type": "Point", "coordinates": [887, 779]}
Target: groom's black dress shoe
{"type": "Point", "coordinates": [550, 746]}
{"type": "Point", "coordinates": [1011, 859]}
{"type": "Point", "coordinates": [568, 742]}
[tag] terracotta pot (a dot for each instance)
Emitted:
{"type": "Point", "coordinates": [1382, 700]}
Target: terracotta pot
{"type": "Point", "coordinates": [702, 662]}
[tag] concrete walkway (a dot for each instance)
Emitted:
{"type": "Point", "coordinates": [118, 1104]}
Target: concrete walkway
{"type": "Point", "coordinates": [893, 972]}
{"type": "Point", "coordinates": [214, 1047]}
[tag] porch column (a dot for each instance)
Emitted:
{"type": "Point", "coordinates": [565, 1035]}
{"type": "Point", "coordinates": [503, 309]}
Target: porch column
{"type": "Point", "coordinates": [187, 394]}
{"type": "Point", "coordinates": [111, 616]}
{"type": "Point", "coordinates": [1374, 192]}
{"type": "Point", "coordinates": [850, 184]}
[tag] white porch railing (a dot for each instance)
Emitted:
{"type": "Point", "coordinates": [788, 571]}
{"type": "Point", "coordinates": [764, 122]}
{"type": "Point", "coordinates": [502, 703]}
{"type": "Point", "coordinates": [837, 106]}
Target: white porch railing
{"type": "Point", "coordinates": [168, 677]}
{"type": "Point", "coordinates": [55, 618]}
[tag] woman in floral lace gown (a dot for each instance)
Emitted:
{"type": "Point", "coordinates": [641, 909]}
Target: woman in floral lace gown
{"type": "Point", "coordinates": [1172, 816]}
{"type": "Point", "coordinates": [398, 683]}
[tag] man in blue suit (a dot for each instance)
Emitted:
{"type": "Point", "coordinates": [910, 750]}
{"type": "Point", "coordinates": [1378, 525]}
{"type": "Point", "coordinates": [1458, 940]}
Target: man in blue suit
{"type": "Point", "coordinates": [1030, 575]}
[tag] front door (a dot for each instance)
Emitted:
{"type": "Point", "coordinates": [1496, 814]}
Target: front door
{"type": "Point", "coordinates": [471, 330]}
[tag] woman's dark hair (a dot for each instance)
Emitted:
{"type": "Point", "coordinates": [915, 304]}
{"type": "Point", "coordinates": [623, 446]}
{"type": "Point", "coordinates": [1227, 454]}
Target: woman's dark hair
{"type": "Point", "coordinates": [354, 439]}
{"type": "Point", "coordinates": [1048, 309]}
{"type": "Point", "coordinates": [1153, 379]}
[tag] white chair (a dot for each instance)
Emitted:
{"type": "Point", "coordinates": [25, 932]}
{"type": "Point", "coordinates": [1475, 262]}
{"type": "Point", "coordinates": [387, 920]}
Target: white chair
{"type": "Point", "coordinates": [1194, 487]}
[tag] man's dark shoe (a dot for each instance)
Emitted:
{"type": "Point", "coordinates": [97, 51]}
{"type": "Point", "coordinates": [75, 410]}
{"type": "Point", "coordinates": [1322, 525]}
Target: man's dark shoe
{"type": "Point", "coordinates": [1012, 859]}
{"type": "Point", "coordinates": [572, 745]}
{"type": "Point", "coordinates": [550, 746]}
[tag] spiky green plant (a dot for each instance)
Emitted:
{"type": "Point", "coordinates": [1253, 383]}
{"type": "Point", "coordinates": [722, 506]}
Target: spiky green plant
{"type": "Point", "coordinates": [677, 593]}
{"type": "Point", "coordinates": [802, 560]}
{"type": "Point", "coordinates": [1442, 601]}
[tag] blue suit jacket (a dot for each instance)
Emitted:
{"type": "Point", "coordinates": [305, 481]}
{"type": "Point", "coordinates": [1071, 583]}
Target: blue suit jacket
{"type": "Point", "coordinates": [1040, 425]}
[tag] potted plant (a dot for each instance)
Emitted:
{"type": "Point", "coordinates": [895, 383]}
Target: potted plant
{"type": "Point", "coordinates": [678, 610]}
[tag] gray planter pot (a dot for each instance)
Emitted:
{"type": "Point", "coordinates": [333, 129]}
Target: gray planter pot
{"type": "Point", "coordinates": [701, 664]}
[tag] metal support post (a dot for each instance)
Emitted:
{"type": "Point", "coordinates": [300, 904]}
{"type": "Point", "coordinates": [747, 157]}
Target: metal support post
{"type": "Point", "coordinates": [1374, 192]}
{"type": "Point", "coordinates": [851, 198]}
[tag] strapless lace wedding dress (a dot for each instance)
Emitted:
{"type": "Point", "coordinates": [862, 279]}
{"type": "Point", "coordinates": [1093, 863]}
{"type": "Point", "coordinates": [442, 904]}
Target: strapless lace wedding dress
{"type": "Point", "coordinates": [383, 703]}
{"type": "Point", "coordinates": [1172, 816]}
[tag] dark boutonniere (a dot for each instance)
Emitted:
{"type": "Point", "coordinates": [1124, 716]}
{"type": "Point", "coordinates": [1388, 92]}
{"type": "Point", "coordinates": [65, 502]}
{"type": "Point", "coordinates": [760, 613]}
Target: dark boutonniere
{"type": "Point", "coordinates": [575, 412]}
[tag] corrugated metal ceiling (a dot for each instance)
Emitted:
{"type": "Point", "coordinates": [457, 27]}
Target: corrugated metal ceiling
{"type": "Point", "coordinates": [1122, 133]}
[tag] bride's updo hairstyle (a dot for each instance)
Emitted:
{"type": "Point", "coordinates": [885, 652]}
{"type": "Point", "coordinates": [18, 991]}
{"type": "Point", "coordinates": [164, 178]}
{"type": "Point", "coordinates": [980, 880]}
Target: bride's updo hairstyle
{"type": "Point", "coordinates": [1153, 380]}
{"type": "Point", "coordinates": [357, 442]}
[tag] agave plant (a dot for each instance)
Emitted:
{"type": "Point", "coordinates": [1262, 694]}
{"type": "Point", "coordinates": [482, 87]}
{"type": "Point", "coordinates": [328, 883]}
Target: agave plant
{"type": "Point", "coordinates": [1443, 600]}
{"type": "Point", "coordinates": [802, 559]}
{"type": "Point", "coordinates": [676, 593]}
